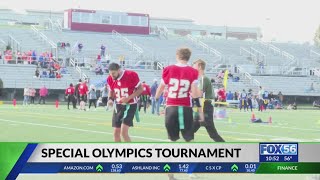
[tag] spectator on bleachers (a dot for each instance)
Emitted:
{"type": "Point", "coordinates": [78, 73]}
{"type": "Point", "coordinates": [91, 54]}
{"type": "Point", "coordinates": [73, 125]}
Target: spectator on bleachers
{"type": "Point", "coordinates": [98, 70]}
{"type": "Point", "coordinates": [102, 50]}
{"type": "Point", "coordinates": [51, 74]}
{"type": "Point", "coordinates": [44, 74]}
{"type": "Point", "coordinates": [230, 75]}
{"type": "Point", "coordinates": [58, 75]}
{"type": "Point", "coordinates": [63, 70]}
{"type": "Point", "coordinates": [80, 46]}
{"type": "Point", "coordinates": [41, 60]}
{"type": "Point", "coordinates": [57, 66]}
{"type": "Point", "coordinates": [37, 73]}
{"type": "Point", "coordinates": [8, 56]}
{"type": "Point", "coordinates": [19, 56]}
{"type": "Point", "coordinates": [236, 79]}
{"type": "Point", "coordinates": [34, 55]}
{"type": "Point", "coordinates": [29, 56]}
{"type": "Point", "coordinates": [1, 60]}
{"type": "Point", "coordinates": [221, 74]}
{"type": "Point", "coordinates": [122, 60]}
{"type": "Point", "coordinates": [98, 59]}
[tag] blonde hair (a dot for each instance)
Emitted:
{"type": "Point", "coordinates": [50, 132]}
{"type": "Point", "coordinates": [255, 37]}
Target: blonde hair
{"type": "Point", "coordinates": [201, 64]}
{"type": "Point", "coordinates": [183, 53]}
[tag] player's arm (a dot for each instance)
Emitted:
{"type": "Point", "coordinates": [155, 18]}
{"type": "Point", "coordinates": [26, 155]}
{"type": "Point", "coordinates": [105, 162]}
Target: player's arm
{"type": "Point", "coordinates": [195, 91]}
{"type": "Point", "coordinates": [137, 92]}
{"type": "Point", "coordinates": [160, 90]}
{"type": "Point", "coordinates": [164, 81]}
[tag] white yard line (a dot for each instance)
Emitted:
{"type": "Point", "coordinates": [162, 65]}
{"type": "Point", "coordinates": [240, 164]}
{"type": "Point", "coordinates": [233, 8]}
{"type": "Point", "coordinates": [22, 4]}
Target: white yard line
{"type": "Point", "coordinates": [76, 129]}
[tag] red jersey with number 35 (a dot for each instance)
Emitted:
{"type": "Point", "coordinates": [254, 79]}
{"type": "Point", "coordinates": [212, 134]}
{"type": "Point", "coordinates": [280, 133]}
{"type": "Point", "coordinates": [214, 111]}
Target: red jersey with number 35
{"type": "Point", "coordinates": [179, 78]}
{"type": "Point", "coordinates": [83, 89]}
{"type": "Point", "coordinates": [124, 86]}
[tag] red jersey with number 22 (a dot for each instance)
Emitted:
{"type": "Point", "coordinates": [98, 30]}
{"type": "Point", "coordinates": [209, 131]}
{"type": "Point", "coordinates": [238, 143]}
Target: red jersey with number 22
{"type": "Point", "coordinates": [179, 79]}
{"type": "Point", "coordinates": [124, 86]}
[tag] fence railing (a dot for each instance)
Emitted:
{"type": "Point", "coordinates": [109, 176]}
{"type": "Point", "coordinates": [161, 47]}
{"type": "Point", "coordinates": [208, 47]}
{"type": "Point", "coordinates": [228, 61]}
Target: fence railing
{"type": "Point", "coordinates": [205, 47]}
{"type": "Point", "coordinates": [314, 53]}
{"type": "Point", "coordinates": [260, 56]}
{"type": "Point", "coordinates": [121, 38]}
{"type": "Point", "coordinates": [253, 57]}
{"type": "Point", "coordinates": [277, 51]}
{"type": "Point", "coordinates": [75, 64]}
{"type": "Point", "coordinates": [15, 45]}
{"type": "Point", "coordinates": [248, 77]}
{"type": "Point", "coordinates": [45, 39]}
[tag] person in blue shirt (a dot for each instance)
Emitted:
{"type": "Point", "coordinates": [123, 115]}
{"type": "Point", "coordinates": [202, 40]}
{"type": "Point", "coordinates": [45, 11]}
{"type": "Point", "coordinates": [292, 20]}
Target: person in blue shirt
{"type": "Point", "coordinates": [229, 96]}
{"type": "Point", "coordinates": [103, 50]}
{"type": "Point", "coordinates": [155, 104]}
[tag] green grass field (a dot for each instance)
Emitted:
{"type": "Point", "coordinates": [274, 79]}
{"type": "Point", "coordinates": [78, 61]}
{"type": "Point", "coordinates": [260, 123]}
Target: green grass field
{"type": "Point", "coordinates": [38, 123]}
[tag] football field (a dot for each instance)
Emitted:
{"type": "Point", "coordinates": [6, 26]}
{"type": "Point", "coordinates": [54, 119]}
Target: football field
{"type": "Point", "coordinates": [45, 123]}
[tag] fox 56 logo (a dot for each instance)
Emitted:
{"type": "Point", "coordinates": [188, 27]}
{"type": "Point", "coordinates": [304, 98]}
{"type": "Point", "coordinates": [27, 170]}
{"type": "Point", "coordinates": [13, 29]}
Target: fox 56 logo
{"type": "Point", "coordinates": [278, 149]}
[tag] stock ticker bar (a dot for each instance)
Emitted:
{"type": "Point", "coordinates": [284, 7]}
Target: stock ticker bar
{"type": "Point", "coordinates": [258, 168]}
{"type": "Point", "coordinates": [258, 158]}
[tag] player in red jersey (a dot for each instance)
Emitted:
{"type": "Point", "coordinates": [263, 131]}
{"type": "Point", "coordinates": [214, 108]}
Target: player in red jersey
{"type": "Point", "coordinates": [181, 80]}
{"type": "Point", "coordinates": [83, 91]}
{"type": "Point", "coordinates": [144, 97]}
{"type": "Point", "coordinates": [70, 96]}
{"type": "Point", "coordinates": [124, 87]}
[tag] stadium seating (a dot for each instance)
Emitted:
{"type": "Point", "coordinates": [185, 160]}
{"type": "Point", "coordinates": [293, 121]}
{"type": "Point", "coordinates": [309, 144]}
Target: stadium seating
{"type": "Point", "coordinates": [20, 76]}
{"type": "Point", "coordinates": [156, 49]}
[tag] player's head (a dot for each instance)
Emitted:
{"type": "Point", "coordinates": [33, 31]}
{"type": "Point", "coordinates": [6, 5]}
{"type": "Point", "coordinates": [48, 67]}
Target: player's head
{"type": "Point", "coordinates": [143, 82]}
{"type": "Point", "coordinates": [183, 54]}
{"type": "Point", "coordinates": [114, 70]}
{"type": "Point", "coordinates": [71, 85]}
{"type": "Point", "coordinates": [199, 65]}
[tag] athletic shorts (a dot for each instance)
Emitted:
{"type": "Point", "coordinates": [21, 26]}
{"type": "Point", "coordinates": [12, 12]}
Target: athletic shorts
{"type": "Point", "coordinates": [123, 114]}
{"type": "Point", "coordinates": [105, 100]}
{"type": "Point", "coordinates": [83, 98]}
{"type": "Point", "coordinates": [178, 118]}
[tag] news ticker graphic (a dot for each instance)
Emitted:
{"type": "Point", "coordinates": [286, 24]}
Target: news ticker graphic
{"type": "Point", "coordinates": [257, 158]}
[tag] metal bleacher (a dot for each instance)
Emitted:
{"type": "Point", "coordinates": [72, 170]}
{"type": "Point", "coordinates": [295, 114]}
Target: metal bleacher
{"type": "Point", "coordinates": [22, 75]}
{"type": "Point", "coordinates": [163, 50]}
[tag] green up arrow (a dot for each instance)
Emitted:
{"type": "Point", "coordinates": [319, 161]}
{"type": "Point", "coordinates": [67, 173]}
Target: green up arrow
{"type": "Point", "coordinates": [99, 168]}
{"type": "Point", "coordinates": [166, 168]}
{"type": "Point", "coordinates": [234, 167]}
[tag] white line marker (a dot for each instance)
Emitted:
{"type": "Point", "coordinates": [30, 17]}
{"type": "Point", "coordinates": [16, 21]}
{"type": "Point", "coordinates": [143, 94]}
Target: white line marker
{"type": "Point", "coordinates": [77, 129]}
